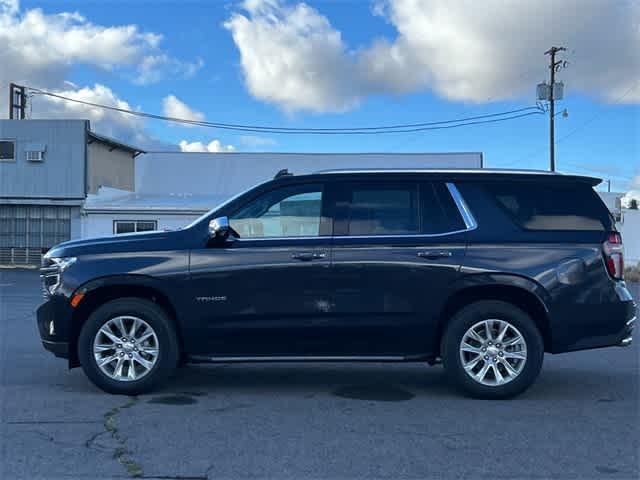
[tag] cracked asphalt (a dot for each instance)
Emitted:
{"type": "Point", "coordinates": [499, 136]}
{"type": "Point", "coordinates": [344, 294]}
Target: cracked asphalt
{"type": "Point", "coordinates": [294, 421]}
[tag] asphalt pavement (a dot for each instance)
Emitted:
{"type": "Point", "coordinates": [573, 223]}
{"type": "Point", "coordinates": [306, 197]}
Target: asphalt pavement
{"type": "Point", "coordinates": [295, 421]}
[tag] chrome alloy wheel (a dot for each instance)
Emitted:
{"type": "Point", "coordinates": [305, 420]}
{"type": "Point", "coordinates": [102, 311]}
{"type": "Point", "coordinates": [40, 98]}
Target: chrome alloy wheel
{"type": "Point", "coordinates": [493, 352]}
{"type": "Point", "coordinates": [126, 348]}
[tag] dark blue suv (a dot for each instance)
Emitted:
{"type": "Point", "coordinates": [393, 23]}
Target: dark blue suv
{"type": "Point", "coordinates": [483, 270]}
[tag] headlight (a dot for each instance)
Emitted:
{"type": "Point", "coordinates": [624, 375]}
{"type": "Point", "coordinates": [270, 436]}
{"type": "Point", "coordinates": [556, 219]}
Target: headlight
{"type": "Point", "coordinates": [64, 262]}
{"type": "Point", "coordinates": [51, 274]}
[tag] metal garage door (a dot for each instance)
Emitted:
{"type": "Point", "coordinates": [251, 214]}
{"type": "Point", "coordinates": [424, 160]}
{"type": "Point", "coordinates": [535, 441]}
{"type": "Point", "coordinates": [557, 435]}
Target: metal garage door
{"type": "Point", "coordinates": [27, 231]}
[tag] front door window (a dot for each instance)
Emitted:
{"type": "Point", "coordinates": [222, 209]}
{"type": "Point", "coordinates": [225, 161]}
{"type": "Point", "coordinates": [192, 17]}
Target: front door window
{"type": "Point", "coordinates": [287, 212]}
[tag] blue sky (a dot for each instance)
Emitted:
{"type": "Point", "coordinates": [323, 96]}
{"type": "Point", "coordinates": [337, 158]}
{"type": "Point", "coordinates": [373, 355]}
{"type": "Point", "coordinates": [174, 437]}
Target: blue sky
{"type": "Point", "coordinates": [601, 131]}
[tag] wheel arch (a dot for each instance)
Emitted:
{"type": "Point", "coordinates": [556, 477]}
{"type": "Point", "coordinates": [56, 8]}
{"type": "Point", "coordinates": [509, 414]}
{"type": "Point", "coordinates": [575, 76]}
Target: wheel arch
{"type": "Point", "coordinates": [100, 291]}
{"type": "Point", "coordinates": [523, 293]}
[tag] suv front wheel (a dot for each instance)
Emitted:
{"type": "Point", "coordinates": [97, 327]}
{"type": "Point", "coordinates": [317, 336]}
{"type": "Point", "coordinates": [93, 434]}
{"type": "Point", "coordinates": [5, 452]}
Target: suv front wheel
{"type": "Point", "coordinates": [128, 346]}
{"type": "Point", "coordinates": [492, 349]}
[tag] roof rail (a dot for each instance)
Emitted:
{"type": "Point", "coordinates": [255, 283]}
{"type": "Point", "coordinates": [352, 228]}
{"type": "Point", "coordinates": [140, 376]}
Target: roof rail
{"type": "Point", "coordinates": [438, 170]}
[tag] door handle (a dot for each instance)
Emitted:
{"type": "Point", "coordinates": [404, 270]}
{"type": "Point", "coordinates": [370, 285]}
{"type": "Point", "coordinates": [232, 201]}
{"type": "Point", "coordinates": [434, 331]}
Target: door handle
{"type": "Point", "coordinates": [307, 256]}
{"type": "Point", "coordinates": [304, 256]}
{"type": "Point", "coordinates": [433, 254]}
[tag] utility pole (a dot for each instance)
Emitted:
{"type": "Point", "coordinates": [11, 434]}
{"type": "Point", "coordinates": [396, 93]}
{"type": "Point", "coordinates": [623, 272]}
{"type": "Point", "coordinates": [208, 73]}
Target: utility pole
{"type": "Point", "coordinates": [17, 102]}
{"type": "Point", "coordinates": [554, 67]}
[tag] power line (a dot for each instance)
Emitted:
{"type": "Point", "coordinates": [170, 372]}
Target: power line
{"type": "Point", "coordinates": [402, 128]}
{"type": "Point", "coordinates": [585, 123]}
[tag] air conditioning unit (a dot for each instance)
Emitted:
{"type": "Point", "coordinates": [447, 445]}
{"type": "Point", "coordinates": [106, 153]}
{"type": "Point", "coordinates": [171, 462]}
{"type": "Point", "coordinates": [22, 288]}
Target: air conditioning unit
{"type": "Point", "coordinates": [35, 152]}
{"type": "Point", "coordinates": [35, 156]}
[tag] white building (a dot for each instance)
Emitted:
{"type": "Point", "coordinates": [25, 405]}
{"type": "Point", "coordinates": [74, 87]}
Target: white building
{"type": "Point", "coordinates": [629, 227]}
{"type": "Point", "coordinates": [174, 188]}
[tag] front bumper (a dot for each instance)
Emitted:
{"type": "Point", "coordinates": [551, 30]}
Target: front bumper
{"type": "Point", "coordinates": [59, 349]}
{"type": "Point", "coordinates": [53, 319]}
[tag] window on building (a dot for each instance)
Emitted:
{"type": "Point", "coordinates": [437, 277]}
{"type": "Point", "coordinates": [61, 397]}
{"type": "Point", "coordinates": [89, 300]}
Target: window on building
{"type": "Point", "coordinates": [132, 226]}
{"type": "Point", "coordinates": [7, 150]}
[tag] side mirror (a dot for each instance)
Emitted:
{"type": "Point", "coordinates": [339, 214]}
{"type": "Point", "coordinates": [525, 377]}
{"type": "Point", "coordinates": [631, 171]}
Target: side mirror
{"type": "Point", "coordinates": [219, 228]}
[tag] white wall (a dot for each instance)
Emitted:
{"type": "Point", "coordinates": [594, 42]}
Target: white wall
{"type": "Point", "coordinates": [101, 225]}
{"type": "Point", "coordinates": [109, 167]}
{"type": "Point", "coordinates": [226, 174]}
{"type": "Point", "coordinates": [630, 229]}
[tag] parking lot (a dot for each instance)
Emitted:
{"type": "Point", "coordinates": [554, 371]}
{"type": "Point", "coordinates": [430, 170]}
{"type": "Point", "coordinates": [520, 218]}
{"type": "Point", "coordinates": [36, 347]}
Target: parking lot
{"type": "Point", "coordinates": [581, 420]}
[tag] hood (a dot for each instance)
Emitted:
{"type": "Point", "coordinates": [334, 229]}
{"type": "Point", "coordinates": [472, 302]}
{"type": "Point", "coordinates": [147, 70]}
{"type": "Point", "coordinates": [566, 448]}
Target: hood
{"type": "Point", "coordinates": [128, 242]}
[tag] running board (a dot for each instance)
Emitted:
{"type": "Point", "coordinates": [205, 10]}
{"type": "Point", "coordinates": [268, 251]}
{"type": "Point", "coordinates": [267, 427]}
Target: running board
{"type": "Point", "coordinates": [306, 358]}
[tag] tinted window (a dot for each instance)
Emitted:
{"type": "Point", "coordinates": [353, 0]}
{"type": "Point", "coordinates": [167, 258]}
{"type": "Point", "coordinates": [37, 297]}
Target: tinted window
{"type": "Point", "coordinates": [7, 150]}
{"type": "Point", "coordinates": [286, 212]}
{"type": "Point", "coordinates": [131, 226]}
{"type": "Point", "coordinates": [538, 206]}
{"type": "Point", "coordinates": [439, 212]}
{"type": "Point", "coordinates": [381, 209]}
{"type": "Point", "coordinates": [125, 227]}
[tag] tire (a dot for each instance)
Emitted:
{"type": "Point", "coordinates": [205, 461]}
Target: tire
{"type": "Point", "coordinates": [491, 316]}
{"type": "Point", "coordinates": [149, 371]}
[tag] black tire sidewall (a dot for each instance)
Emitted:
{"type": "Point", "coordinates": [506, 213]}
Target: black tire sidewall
{"type": "Point", "coordinates": [483, 310]}
{"type": "Point", "coordinates": [156, 318]}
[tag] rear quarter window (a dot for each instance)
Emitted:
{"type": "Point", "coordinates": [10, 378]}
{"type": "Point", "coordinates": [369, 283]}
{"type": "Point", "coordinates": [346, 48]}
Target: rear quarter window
{"type": "Point", "coordinates": [539, 206]}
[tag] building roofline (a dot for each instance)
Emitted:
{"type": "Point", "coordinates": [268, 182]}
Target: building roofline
{"type": "Point", "coordinates": [399, 154]}
{"type": "Point", "coordinates": [92, 136]}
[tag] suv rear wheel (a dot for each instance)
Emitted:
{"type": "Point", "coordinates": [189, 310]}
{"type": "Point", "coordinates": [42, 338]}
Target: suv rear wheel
{"type": "Point", "coordinates": [128, 346]}
{"type": "Point", "coordinates": [492, 350]}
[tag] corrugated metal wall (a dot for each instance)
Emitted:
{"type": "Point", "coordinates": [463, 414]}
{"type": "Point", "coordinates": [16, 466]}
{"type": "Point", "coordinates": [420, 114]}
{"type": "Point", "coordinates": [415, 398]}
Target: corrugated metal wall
{"type": "Point", "coordinates": [27, 231]}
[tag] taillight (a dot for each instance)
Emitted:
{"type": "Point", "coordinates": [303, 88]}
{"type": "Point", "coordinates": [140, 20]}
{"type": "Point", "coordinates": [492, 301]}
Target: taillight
{"type": "Point", "coordinates": [614, 256]}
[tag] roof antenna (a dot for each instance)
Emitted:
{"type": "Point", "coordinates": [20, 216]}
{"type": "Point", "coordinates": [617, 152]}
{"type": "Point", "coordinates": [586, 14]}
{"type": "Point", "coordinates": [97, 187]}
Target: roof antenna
{"type": "Point", "coordinates": [283, 173]}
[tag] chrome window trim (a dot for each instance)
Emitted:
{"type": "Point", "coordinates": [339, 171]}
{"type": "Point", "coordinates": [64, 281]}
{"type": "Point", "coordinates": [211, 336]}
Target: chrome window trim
{"type": "Point", "coordinates": [262, 239]}
{"type": "Point", "coordinates": [463, 208]}
{"type": "Point", "coordinates": [461, 205]}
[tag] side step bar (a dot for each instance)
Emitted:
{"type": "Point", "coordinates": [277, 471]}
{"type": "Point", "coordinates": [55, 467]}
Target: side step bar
{"type": "Point", "coordinates": [305, 358]}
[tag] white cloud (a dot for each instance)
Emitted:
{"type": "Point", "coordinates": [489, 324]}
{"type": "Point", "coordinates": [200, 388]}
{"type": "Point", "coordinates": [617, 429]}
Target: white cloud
{"type": "Point", "coordinates": [39, 49]}
{"type": "Point", "coordinates": [255, 141]}
{"type": "Point", "coordinates": [215, 146]}
{"type": "Point", "coordinates": [119, 125]}
{"type": "Point", "coordinates": [174, 107]}
{"type": "Point", "coordinates": [154, 68]}
{"type": "Point", "coordinates": [292, 56]}
{"type": "Point", "coordinates": [633, 193]}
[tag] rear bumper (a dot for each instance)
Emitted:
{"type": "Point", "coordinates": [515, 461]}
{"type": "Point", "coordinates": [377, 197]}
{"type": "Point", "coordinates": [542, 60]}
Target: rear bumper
{"type": "Point", "coordinates": [582, 326]}
{"type": "Point", "coordinates": [628, 335]}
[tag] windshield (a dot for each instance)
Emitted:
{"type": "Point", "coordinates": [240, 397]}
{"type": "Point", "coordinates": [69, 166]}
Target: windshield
{"type": "Point", "coordinates": [223, 204]}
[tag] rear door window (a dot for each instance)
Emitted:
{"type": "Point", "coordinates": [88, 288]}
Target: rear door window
{"type": "Point", "coordinates": [438, 210]}
{"type": "Point", "coordinates": [539, 206]}
{"type": "Point", "coordinates": [378, 208]}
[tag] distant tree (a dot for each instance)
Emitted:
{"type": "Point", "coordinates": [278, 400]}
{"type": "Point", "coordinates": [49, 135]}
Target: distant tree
{"type": "Point", "coordinates": [633, 204]}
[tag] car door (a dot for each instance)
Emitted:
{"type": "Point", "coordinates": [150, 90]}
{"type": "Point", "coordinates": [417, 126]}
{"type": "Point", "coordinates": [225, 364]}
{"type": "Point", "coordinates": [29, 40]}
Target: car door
{"type": "Point", "coordinates": [397, 245]}
{"type": "Point", "coordinates": [266, 291]}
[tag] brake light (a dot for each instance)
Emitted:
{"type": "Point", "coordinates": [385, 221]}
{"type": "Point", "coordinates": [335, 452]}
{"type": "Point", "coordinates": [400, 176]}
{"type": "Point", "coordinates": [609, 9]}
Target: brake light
{"type": "Point", "coordinates": [614, 256]}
